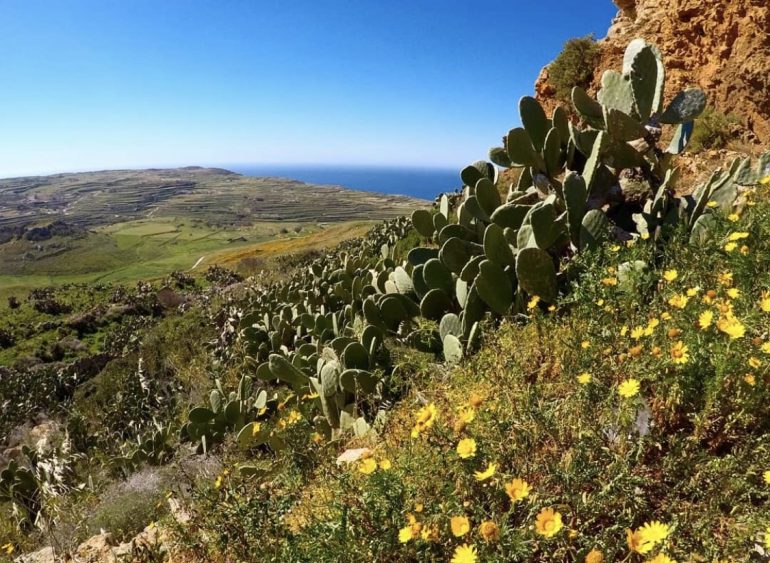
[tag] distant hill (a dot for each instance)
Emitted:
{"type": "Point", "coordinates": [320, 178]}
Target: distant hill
{"type": "Point", "coordinates": [212, 195]}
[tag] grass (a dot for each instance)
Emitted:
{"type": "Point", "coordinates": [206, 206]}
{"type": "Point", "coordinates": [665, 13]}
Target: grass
{"type": "Point", "coordinates": [635, 405]}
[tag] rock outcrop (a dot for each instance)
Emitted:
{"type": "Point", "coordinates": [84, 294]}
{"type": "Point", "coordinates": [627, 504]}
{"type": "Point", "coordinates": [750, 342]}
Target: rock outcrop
{"type": "Point", "coordinates": [723, 46]}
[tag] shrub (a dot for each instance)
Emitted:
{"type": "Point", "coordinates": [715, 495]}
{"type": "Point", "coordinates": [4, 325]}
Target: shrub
{"type": "Point", "coordinates": [713, 130]}
{"type": "Point", "coordinates": [574, 66]}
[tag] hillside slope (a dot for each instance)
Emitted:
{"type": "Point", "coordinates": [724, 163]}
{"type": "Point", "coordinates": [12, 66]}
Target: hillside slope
{"type": "Point", "coordinates": [720, 45]}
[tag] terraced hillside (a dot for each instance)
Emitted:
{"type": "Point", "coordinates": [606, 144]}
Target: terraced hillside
{"type": "Point", "coordinates": [212, 195]}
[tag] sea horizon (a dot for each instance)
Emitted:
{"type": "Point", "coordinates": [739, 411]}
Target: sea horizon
{"type": "Point", "coordinates": [419, 182]}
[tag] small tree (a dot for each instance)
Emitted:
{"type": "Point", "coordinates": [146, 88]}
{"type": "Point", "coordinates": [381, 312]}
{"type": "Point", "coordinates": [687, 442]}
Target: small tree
{"type": "Point", "coordinates": [574, 67]}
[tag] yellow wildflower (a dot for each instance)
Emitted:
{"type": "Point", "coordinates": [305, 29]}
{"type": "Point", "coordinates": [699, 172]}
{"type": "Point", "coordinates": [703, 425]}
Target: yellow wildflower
{"type": "Point", "coordinates": [661, 558]}
{"type": "Point", "coordinates": [467, 414]}
{"type": "Point", "coordinates": [730, 246]}
{"type": "Point", "coordinates": [764, 302]}
{"type": "Point", "coordinates": [637, 543]}
{"type": "Point", "coordinates": [464, 554]}
{"type": "Point", "coordinates": [548, 522]}
{"type": "Point", "coordinates": [367, 466]}
{"type": "Point", "coordinates": [692, 291]}
{"type": "Point", "coordinates": [712, 204]}
{"type": "Point", "coordinates": [679, 301]}
{"type": "Point", "coordinates": [765, 348]}
{"type": "Point", "coordinates": [8, 548]}
{"type": "Point", "coordinates": [725, 278]}
{"type": "Point", "coordinates": [733, 293]}
{"type": "Point", "coordinates": [705, 319]}
{"type": "Point", "coordinates": [487, 473]}
{"type": "Point", "coordinates": [609, 281]}
{"type": "Point", "coordinates": [738, 235]}
{"type": "Point", "coordinates": [733, 217]}
{"type": "Point", "coordinates": [466, 448]}
{"type": "Point", "coordinates": [405, 534]}
{"type": "Point", "coordinates": [429, 533]}
{"type": "Point", "coordinates": [385, 464]}
{"type": "Point", "coordinates": [665, 315]}
{"type": "Point", "coordinates": [764, 181]}
{"type": "Point", "coordinates": [426, 416]}
{"type": "Point", "coordinates": [533, 302]}
{"type": "Point", "coordinates": [218, 482]}
{"type": "Point", "coordinates": [628, 388]}
{"type": "Point", "coordinates": [750, 379]}
{"type": "Point", "coordinates": [679, 353]}
{"type": "Point", "coordinates": [754, 362]}
{"type": "Point", "coordinates": [460, 526]}
{"type": "Point", "coordinates": [585, 345]}
{"type": "Point", "coordinates": [489, 531]}
{"type": "Point", "coordinates": [637, 332]}
{"type": "Point", "coordinates": [670, 275]}
{"type": "Point", "coordinates": [654, 531]}
{"type": "Point", "coordinates": [731, 326]}
{"type": "Point", "coordinates": [584, 378]}
{"type": "Point", "coordinates": [766, 477]}
{"type": "Point", "coordinates": [517, 490]}
{"type": "Point", "coordinates": [594, 556]}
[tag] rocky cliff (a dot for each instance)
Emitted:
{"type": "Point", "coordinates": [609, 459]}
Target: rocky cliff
{"type": "Point", "coordinates": [723, 46]}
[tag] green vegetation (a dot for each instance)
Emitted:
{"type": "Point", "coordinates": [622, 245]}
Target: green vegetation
{"type": "Point", "coordinates": [574, 66]}
{"type": "Point", "coordinates": [714, 130]}
{"type": "Point", "coordinates": [574, 370]}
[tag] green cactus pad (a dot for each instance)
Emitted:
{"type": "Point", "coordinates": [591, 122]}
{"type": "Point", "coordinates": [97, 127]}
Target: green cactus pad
{"type": "Point", "coordinates": [687, 106]}
{"type": "Point", "coordinates": [435, 304]}
{"type": "Point", "coordinates": [453, 349]}
{"type": "Point", "coordinates": [496, 246]}
{"type": "Point", "coordinates": [593, 230]}
{"type": "Point", "coordinates": [534, 120]}
{"type": "Point", "coordinates": [494, 287]}
{"type": "Point", "coordinates": [420, 255]}
{"type": "Point", "coordinates": [536, 273]}
{"type": "Point", "coordinates": [283, 370]}
{"type": "Point", "coordinates": [201, 415]}
{"type": "Point", "coordinates": [423, 222]}
{"type": "Point", "coordinates": [450, 324]}
{"type": "Point", "coordinates": [437, 276]}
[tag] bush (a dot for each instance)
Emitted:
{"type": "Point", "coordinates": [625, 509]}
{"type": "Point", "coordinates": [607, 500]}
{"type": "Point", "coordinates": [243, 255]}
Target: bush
{"type": "Point", "coordinates": [713, 130]}
{"type": "Point", "coordinates": [574, 66]}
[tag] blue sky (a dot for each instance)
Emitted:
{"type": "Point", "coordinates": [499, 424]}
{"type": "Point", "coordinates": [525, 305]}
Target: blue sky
{"type": "Point", "coordinates": [134, 83]}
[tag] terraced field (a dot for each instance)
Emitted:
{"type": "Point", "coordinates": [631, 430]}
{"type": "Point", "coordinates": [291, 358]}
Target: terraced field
{"type": "Point", "coordinates": [132, 225]}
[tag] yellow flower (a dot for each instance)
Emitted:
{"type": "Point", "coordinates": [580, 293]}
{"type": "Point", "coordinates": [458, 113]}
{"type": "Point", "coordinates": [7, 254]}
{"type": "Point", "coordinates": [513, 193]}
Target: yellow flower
{"type": "Point", "coordinates": [754, 362]}
{"type": "Point", "coordinates": [489, 531]}
{"type": "Point", "coordinates": [661, 558]}
{"type": "Point", "coordinates": [733, 217]}
{"type": "Point", "coordinates": [533, 302]}
{"type": "Point", "coordinates": [8, 548]}
{"type": "Point", "coordinates": [637, 543]}
{"type": "Point", "coordinates": [467, 414]}
{"type": "Point", "coordinates": [712, 204]}
{"type": "Point", "coordinates": [367, 466]}
{"type": "Point", "coordinates": [738, 235]}
{"type": "Point", "coordinates": [733, 293]}
{"type": "Point", "coordinates": [426, 416]}
{"type": "Point", "coordinates": [705, 319]}
{"type": "Point", "coordinates": [405, 534]}
{"type": "Point", "coordinates": [517, 490]}
{"type": "Point", "coordinates": [679, 301]}
{"type": "Point", "coordinates": [460, 526]}
{"type": "Point", "coordinates": [464, 554]}
{"type": "Point", "coordinates": [628, 388]}
{"type": "Point", "coordinates": [584, 378]}
{"type": "Point", "coordinates": [600, 303]}
{"type": "Point", "coordinates": [679, 353]}
{"type": "Point", "coordinates": [218, 482]}
{"type": "Point", "coordinates": [654, 532]}
{"type": "Point", "coordinates": [766, 477]}
{"type": "Point", "coordinates": [585, 345]}
{"type": "Point", "coordinates": [487, 473]}
{"type": "Point", "coordinates": [594, 556]}
{"type": "Point", "coordinates": [750, 379]}
{"type": "Point", "coordinates": [725, 278]}
{"type": "Point", "coordinates": [466, 448]}
{"type": "Point", "coordinates": [317, 438]}
{"type": "Point", "coordinates": [670, 275]}
{"type": "Point", "coordinates": [731, 326]}
{"type": "Point", "coordinates": [385, 464]}
{"type": "Point", "coordinates": [764, 302]}
{"type": "Point", "coordinates": [609, 281]}
{"type": "Point", "coordinates": [637, 332]}
{"type": "Point", "coordinates": [765, 348]}
{"type": "Point", "coordinates": [665, 315]}
{"type": "Point", "coordinates": [730, 246]}
{"type": "Point", "coordinates": [764, 181]}
{"type": "Point", "coordinates": [692, 291]}
{"type": "Point", "coordinates": [429, 533]}
{"type": "Point", "coordinates": [548, 522]}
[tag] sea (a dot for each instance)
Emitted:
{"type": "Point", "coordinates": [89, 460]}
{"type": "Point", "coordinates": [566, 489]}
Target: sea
{"type": "Point", "coordinates": [422, 183]}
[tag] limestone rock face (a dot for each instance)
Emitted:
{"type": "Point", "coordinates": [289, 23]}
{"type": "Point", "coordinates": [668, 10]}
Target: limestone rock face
{"type": "Point", "coordinates": [722, 46]}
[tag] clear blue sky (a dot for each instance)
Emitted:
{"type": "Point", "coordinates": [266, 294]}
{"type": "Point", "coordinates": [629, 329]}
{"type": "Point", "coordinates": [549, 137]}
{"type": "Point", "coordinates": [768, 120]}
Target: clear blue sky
{"type": "Point", "coordinates": [133, 83]}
